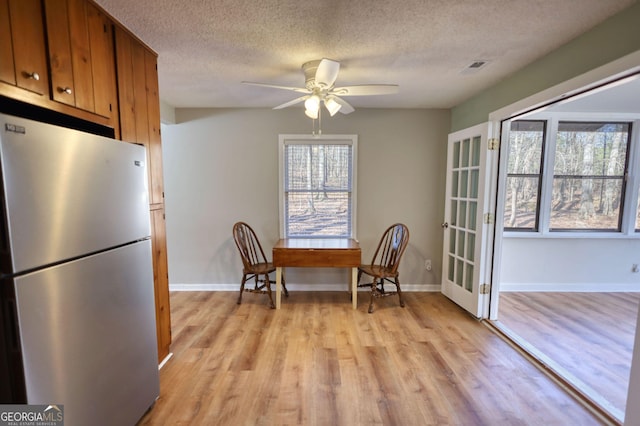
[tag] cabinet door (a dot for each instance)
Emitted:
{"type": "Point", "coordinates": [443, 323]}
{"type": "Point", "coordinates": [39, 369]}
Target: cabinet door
{"type": "Point", "coordinates": [7, 70]}
{"type": "Point", "coordinates": [81, 56]}
{"type": "Point", "coordinates": [27, 45]}
{"type": "Point", "coordinates": [60, 59]}
{"type": "Point", "coordinates": [103, 63]}
{"type": "Point", "coordinates": [161, 282]}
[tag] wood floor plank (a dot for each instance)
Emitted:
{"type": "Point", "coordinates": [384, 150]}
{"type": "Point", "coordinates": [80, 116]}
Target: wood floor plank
{"type": "Point", "coordinates": [588, 335]}
{"type": "Point", "coordinates": [318, 362]}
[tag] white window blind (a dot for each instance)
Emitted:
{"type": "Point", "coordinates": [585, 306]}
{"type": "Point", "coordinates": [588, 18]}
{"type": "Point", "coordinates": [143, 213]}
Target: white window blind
{"type": "Point", "coordinates": [317, 187]}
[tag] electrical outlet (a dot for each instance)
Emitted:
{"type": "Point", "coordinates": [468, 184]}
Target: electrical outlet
{"type": "Point", "coordinates": [427, 264]}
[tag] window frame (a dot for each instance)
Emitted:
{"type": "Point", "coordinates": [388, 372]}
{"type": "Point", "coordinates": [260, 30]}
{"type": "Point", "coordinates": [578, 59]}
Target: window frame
{"type": "Point", "coordinates": [306, 139]}
{"type": "Point", "coordinates": [540, 176]}
{"type": "Point", "coordinates": [630, 195]}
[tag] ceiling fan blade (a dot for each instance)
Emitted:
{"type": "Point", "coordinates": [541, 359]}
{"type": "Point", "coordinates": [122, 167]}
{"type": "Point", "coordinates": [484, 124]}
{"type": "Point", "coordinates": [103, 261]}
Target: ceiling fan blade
{"type": "Point", "coordinates": [293, 102]}
{"type": "Point", "coordinates": [366, 90]}
{"type": "Point", "coordinates": [327, 73]}
{"type": "Point", "coordinates": [346, 107]}
{"type": "Point", "coordinates": [273, 86]}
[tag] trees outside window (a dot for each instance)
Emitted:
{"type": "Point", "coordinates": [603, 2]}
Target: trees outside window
{"type": "Point", "coordinates": [317, 186]}
{"type": "Point", "coordinates": [589, 176]}
{"type": "Point", "coordinates": [586, 186]}
{"type": "Point", "coordinates": [524, 175]}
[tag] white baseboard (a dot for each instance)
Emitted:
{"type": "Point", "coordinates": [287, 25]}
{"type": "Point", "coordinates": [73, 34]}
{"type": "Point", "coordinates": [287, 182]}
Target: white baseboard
{"type": "Point", "coordinates": [571, 287]}
{"type": "Point", "coordinates": [295, 287]}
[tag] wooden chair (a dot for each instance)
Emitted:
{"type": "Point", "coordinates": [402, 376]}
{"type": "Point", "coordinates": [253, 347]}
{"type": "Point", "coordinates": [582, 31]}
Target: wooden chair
{"type": "Point", "coordinates": [254, 263]}
{"type": "Point", "coordinates": [385, 262]}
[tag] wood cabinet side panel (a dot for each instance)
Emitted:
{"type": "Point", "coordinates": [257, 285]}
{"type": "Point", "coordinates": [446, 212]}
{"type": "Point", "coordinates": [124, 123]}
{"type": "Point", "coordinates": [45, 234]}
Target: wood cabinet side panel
{"type": "Point", "coordinates": [161, 283]}
{"type": "Point", "coordinates": [156, 189]}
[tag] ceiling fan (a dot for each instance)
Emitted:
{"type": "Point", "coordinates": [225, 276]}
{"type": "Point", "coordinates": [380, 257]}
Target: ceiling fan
{"type": "Point", "coordinates": [320, 77]}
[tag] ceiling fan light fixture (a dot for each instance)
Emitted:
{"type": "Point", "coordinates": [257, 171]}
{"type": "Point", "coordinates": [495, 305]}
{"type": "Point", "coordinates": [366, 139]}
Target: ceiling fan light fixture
{"type": "Point", "coordinates": [332, 106]}
{"type": "Point", "coordinates": [312, 106]}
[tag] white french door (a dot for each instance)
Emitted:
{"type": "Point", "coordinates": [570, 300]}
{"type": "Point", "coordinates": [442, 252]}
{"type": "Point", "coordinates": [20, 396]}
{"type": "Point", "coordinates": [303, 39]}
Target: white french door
{"type": "Point", "coordinates": [467, 238]}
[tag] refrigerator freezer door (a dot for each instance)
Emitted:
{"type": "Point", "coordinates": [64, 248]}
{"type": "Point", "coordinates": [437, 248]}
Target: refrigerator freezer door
{"type": "Point", "coordinates": [89, 337]}
{"type": "Point", "coordinates": [69, 193]}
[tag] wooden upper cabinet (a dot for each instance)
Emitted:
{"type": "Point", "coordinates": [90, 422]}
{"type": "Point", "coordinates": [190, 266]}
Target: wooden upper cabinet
{"type": "Point", "coordinates": [23, 60]}
{"type": "Point", "coordinates": [140, 105]}
{"type": "Point", "coordinates": [81, 56]}
{"type": "Point", "coordinates": [105, 91]}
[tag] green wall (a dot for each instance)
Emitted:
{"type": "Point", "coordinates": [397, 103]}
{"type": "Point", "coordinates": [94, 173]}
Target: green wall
{"type": "Point", "coordinates": [614, 38]}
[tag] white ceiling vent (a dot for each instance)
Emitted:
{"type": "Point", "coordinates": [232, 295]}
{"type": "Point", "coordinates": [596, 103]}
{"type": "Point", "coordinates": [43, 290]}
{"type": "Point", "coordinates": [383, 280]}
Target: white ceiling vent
{"type": "Point", "coordinates": [474, 66]}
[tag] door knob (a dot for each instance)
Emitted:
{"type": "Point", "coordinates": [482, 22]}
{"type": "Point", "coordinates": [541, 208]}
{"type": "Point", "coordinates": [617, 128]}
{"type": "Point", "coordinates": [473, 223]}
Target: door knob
{"type": "Point", "coordinates": [445, 225]}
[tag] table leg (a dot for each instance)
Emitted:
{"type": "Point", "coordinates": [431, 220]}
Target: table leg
{"type": "Point", "coordinates": [278, 286]}
{"type": "Point", "coordinates": [354, 287]}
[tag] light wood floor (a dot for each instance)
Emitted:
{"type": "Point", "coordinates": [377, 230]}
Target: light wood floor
{"type": "Point", "coordinates": [588, 336]}
{"type": "Point", "coordinates": [318, 362]}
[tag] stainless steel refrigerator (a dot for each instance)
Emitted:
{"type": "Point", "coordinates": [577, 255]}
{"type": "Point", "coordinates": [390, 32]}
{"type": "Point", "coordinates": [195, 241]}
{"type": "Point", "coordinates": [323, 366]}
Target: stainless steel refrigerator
{"type": "Point", "coordinates": [76, 280]}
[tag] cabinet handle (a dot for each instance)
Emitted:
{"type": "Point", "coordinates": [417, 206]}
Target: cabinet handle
{"type": "Point", "coordinates": [33, 75]}
{"type": "Point", "coordinates": [66, 90]}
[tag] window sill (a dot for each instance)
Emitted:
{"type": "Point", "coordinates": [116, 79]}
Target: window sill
{"type": "Point", "coordinates": [573, 235]}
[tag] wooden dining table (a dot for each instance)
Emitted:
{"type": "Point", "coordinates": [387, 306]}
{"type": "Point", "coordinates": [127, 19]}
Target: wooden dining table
{"type": "Point", "coordinates": [317, 253]}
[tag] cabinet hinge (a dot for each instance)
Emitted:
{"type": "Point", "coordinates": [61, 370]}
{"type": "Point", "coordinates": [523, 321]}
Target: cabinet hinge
{"type": "Point", "coordinates": [489, 218]}
{"type": "Point", "coordinates": [484, 288]}
{"type": "Point", "coordinates": [493, 144]}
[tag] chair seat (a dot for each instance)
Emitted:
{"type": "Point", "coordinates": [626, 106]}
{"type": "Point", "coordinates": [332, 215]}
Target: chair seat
{"type": "Point", "coordinates": [260, 268]}
{"type": "Point", "coordinates": [377, 271]}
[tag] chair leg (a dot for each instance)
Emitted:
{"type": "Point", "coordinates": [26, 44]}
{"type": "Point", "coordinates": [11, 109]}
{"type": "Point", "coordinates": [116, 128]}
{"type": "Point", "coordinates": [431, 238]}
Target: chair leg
{"type": "Point", "coordinates": [397, 282]}
{"type": "Point", "coordinates": [268, 286]}
{"type": "Point", "coordinates": [374, 289]}
{"type": "Point", "coordinates": [284, 288]}
{"type": "Point", "coordinates": [244, 280]}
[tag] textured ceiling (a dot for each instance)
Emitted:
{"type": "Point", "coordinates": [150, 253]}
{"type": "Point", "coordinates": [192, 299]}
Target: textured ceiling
{"type": "Point", "coordinates": [207, 48]}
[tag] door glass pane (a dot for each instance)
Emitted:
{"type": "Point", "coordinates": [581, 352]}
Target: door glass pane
{"type": "Point", "coordinates": [473, 184]}
{"type": "Point", "coordinates": [452, 242]}
{"type": "Point", "coordinates": [473, 212]}
{"type": "Point", "coordinates": [459, 272]}
{"type": "Point", "coordinates": [464, 176]}
{"type": "Point", "coordinates": [454, 213]}
{"type": "Point", "coordinates": [465, 152]}
{"type": "Point", "coordinates": [468, 277]}
{"type": "Point", "coordinates": [462, 217]}
{"type": "Point", "coordinates": [456, 155]}
{"type": "Point", "coordinates": [471, 245]}
{"type": "Point", "coordinates": [454, 184]}
{"type": "Point", "coordinates": [461, 235]}
{"type": "Point", "coordinates": [475, 159]}
{"type": "Point", "coordinates": [452, 267]}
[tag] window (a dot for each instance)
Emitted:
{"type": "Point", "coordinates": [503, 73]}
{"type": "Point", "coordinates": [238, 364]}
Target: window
{"type": "Point", "coordinates": [317, 186]}
{"type": "Point", "coordinates": [585, 186]}
{"type": "Point", "coordinates": [589, 176]}
{"type": "Point", "coordinates": [524, 175]}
